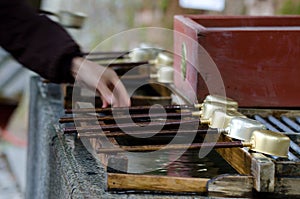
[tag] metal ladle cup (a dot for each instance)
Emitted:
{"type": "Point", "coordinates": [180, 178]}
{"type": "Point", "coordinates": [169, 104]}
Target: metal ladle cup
{"type": "Point", "coordinates": [270, 142]}
{"type": "Point", "coordinates": [242, 128]}
{"type": "Point", "coordinates": [164, 67]}
{"type": "Point", "coordinates": [67, 18]}
{"type": "Point", "coordinates": [220, 118]}
{"type": "Point", "coordinates": [165, 74]}
{"type": "Point", "coordinates": [140, 55]}
{"type": "Point", "coordinates": [261, 140]}
{"type": "Point", "coordinates": [152, 56]}
{"type": "Point", "coordinates": [220, 100]}
{"type": "Point", "coordinates": [163, 59]}
{"type": "Point", "coordinates": [208, 109]}
{"type": "Point", "coordinates": [71, 19]}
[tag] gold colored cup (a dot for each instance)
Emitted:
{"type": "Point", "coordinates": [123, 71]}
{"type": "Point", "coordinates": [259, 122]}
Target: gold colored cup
{"type": "Point", "coordinates": [270, 142]}
{"type": "Point", "coordinates": [221, 118]}
{"type": "Point", "coordinates": [242, 128]}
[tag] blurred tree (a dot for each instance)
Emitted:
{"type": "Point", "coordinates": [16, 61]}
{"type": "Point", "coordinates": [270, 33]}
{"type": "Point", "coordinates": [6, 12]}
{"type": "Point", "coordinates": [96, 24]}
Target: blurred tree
{"type": "Point", "coordinates": [290, 7]}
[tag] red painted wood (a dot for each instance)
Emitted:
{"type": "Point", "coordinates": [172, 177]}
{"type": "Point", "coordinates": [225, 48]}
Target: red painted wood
{"type": "Point", "coordinates": [258, 57]}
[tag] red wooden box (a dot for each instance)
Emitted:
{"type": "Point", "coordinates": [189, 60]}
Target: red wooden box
{"type": "Point", "coordinates": [258, 58]}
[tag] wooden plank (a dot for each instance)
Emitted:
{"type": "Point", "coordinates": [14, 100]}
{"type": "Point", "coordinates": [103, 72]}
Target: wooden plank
{"type": "Point", "coordinates": [259, 166]}
{"type": "Point", "coordinates": [287, 187]}
{"type": "Point", "coordinates": [230, 186]}
{"type": "Point", "coordinates": [156, 183]}
{"type": "Point", "coordinates": [287, 169]}
{"type": "Point", "coordinates": [238, 158]}
{"type": "Point", "coordinates": [263, 171]}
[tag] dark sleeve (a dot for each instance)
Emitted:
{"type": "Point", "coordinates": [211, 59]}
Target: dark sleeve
{"type": "Point", "coordinates": [36, 42]}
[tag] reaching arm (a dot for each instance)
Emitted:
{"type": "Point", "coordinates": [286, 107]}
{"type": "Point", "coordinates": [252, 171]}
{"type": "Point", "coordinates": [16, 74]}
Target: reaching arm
{"type": "Point", "coordinates": [36, 42]}
{"type": "Point", "coordinates": [46, 48]}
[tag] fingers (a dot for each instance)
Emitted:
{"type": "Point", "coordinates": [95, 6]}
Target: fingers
{"type": "Point", "coordinates": [120, 95]}
{"type": "Point", "coordinates": [104, 80]}
{"type": "Point", "coordinates": [114, 93]}
{"type": "Point", "coordinates": [106, 96]}
{"type": "Point", "coordinates": [104, 103]}
{"type": "Point", "coordinates": [112, 90]}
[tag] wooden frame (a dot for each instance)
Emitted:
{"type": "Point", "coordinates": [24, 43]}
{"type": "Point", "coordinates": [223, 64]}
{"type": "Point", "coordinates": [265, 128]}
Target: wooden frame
{"type": "Point", "coordinates": [256, 171]}
{"type": "Point", "coordinates": [243, 44]}
{"type": "Point", "coordinates": [165, 183]}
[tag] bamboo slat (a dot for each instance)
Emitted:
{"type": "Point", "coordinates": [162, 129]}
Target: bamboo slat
{"type": "Point", "coordinates": [156, 183]}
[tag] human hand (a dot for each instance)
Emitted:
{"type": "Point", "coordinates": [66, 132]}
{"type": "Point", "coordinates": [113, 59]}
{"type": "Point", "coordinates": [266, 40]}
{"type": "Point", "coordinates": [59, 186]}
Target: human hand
{"type": "Point", "coordinates": [104, 80]}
